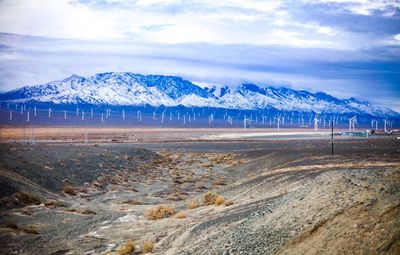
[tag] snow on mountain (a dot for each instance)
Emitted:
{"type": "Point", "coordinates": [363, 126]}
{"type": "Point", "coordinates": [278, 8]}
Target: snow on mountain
{"type": "Point", "coordinates": [116, 88]}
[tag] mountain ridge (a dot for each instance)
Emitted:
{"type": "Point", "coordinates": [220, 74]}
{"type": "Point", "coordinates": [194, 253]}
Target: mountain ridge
{"type": "Point", "coordinates": [126, 88]}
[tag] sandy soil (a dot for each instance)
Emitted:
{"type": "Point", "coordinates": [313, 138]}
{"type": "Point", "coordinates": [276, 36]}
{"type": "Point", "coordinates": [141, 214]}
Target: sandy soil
{"type": "Point", "coordinates": [286, 197]}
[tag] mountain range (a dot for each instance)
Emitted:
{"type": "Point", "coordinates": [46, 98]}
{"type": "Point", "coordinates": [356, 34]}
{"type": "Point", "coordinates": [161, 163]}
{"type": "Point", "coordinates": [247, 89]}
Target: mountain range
{"type": "Point", "coordinates": [125, 88]}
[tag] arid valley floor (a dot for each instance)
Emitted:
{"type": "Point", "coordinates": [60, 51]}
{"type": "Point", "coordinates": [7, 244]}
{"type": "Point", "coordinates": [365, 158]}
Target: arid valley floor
{"type": "Point", "coordinates": [259, 196]}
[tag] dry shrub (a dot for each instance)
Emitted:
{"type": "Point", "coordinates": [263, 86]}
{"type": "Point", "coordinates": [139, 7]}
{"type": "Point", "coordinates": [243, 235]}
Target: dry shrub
{"type": "Point", "coordinates": [213, 199]}
{"type": "Point", "coordinates": [180, 215]}
{"type": "Point", "coordinates": [12, 226]}
{"type": "Point", "coordinates": [192, 204]}
{"type": "Point", "coordinates": [8, 202]}
{"type": "Point", "coordinates": [159, 212]}
{"type": "Point", "coordinates": [88, 212]}
{"type": "Point", "coordinates": [209, 198]}
{"type": "Point", "coordinates": [70, 190]}
{"type": "Point", "coordinates": [147, 246]}
{"type": "Point", "coordinates": [284, 191]}
{"type": "Point", "coordinates": [220, 182]}
{"type": "Point", "coordinates": [30, 229]}
{"type": "Point", "coordinates": [131, 202]}
{"type": "Point", "coordinates": [219, 200]}
{"type": "Point", "coordinates": [26, 199]}
{"type": "Point", "coordinates": [229, 203]}
{"type": "Point", "coordinates": [27, 213]}
{"type": "Point", "coordinates": [208, 165]}
{"type": "Point", "coordinates": [54, 204]}
{"type": "Point", "coordinates": [127, 248]}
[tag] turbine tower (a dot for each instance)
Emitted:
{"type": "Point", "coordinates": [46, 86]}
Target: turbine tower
{"type": "Point", "coordinates": [352, 123]}
{"type": "Point", "coordinates": [278, 122]}
{"type": "Point", "coordinates": [316, 123]}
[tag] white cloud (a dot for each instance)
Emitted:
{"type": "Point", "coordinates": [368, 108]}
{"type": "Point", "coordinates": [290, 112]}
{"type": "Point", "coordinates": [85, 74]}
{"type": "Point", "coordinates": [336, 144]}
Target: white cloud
{"type": "Point", "coordinates": [164, 21]}
{"type": "Point", "coordinates": [364, 7]}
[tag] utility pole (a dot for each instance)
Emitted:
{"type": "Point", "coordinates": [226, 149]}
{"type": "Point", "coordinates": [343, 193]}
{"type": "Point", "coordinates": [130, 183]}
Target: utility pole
{"type": "Point", "coordinates": [332, 136]}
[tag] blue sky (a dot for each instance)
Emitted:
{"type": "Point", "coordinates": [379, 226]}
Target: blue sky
{"type": "Point", "coordinates": [345, 48]}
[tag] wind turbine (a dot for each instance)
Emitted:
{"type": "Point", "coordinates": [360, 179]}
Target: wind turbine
{"type": "Point", "coordinates": [316, 123]}
{"type": "Point", "coordinates": [352, 123]}
{"type": "Point", "coordinates": [385, 122]}
{"type": "Point", "coordinates": [278, 121]}
{"type": "Point", "coordinates": [245, 121]}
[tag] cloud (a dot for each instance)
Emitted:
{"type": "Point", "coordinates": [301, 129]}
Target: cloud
{"type": "Point", "coordinates": [178, 21]}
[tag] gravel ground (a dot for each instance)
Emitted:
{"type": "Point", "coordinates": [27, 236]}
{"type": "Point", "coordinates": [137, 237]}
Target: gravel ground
{"type": "Point", "coordinates": [288, 197]}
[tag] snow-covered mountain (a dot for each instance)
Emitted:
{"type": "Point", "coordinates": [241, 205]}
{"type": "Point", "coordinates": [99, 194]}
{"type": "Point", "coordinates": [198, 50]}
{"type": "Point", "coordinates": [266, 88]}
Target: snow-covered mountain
{"type": "Point", "coordinates": [135, 89]}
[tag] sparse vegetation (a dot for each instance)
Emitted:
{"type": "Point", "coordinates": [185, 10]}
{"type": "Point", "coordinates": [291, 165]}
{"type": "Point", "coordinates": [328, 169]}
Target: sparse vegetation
{"type": "Point", "coordinates": [70, 190]}
{"type": "Point", "coordinates": [159, 212]}
{"type": "Point", "coordinates": [88, 212]}
{"type": "Point", "coordinates": [228, 203]}
{"type": "Point", "coordinates": [209, 198]}
{"type": "Point", "coordinates": [219, 200]}
{"type": "Point", "coordinates": [12, 226]}
{"type": "Point", "coordinates": [180, 215]}
{"type": "Point", "coordinates": [26, 199]}
{"type": "Point", "coordinates": [147, 246]}
{"type": "Point", "coordinates": [54, 204]}
{"type": "Point", "coordinates": [131, 202]}
{"type": "Point", "coordinates": [213, 199]}
{"type": "Point", "coordinates": [127, 248]}
{"type": "Point", "coordinates": [220, 182]}
{"type": "Point", "coordinates": [30, 229]}
{"type": "Point", "coordinates": [192, 204]}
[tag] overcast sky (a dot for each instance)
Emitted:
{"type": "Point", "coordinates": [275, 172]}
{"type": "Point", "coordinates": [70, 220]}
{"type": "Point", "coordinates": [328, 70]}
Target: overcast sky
{"type": "Point", "coordinates": [345, 48]}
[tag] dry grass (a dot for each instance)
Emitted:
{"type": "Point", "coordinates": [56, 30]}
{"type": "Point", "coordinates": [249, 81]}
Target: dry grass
{"type": "Point", "coordinates": [131, 202]}
{"type": "Point", "coordinates": [147, 246]}
{"type": "Point", "coordinates": [88, 212]}
{"type": "Point", "coordinates": [30, 229]}
{"type": "Point", "coordinates": [219, 200]}
{"type": "Point", "coordinates": [26, 199]}
{"type": "Point", "coordinates": [209, 198]}
{"type": "Point", "coordinates": [220, 182]}
{"type": "Point", "coordinates": [159, 212]}
{"type": "Point", "coordinates": [54, 204]}
{"type": "Point", "coordinates": [180, 215]}
{"type": "Point", "coordinates": [70, 190]}
{"type": "Point", "coordinates": [127, 248]}
{"type": "Point", "coordinates": [213, 199]}
{"type": "Point", "coordinates": [192, 204]}
{"type": "Point", "coordinates": [228, 203]}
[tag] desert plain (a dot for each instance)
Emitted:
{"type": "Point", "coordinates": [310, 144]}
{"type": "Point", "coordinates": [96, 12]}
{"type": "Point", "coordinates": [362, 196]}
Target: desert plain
{"type": "Point", "coordinates": [201, 191]}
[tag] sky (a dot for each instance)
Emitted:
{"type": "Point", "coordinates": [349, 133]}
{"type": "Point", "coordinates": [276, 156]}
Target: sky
{"type": "Point", "coordinates": [347, 48]}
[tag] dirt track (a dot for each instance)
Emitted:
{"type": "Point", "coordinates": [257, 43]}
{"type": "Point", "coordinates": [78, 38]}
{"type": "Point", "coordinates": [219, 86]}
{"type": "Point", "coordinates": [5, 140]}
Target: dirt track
{"type": "Point", "coordinates": [288, 197]}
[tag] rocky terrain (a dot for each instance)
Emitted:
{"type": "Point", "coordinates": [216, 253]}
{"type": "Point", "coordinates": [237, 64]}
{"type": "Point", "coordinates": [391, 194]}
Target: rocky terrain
{"type": "Point", "coordinates": [245, 197]}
